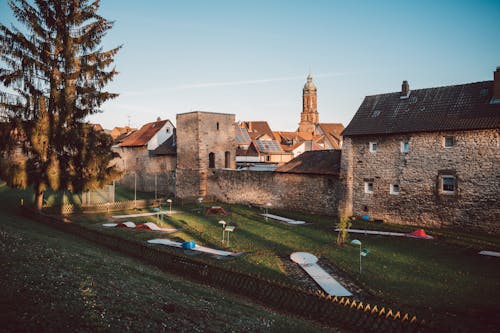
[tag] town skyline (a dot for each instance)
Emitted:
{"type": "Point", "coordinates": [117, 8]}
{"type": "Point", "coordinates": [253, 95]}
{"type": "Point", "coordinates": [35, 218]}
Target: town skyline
{"type": "Point", "coordinates": [252, 59]}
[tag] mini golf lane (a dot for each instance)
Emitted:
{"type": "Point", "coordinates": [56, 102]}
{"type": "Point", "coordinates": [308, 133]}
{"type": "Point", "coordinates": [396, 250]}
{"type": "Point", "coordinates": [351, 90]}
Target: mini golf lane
{"type": "Point", "coordinates": [308, 262]}
{"type": "Point", "coordinates": [199, 248]}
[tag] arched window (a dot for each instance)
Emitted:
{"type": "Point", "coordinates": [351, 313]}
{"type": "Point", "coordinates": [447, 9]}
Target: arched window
{"type": "Point", "coordinates": [227, 159]}
{"type": "Point", "coordinates": [211, 160]}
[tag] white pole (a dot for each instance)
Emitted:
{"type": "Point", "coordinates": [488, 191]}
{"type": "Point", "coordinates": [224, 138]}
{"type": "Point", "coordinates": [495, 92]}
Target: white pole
{"type": "Point", "coordinates": [359, 258]}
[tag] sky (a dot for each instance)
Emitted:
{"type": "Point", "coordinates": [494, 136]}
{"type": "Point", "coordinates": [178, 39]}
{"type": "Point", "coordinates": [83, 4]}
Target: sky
{"type": "Point", "coordinates": [251, 57]}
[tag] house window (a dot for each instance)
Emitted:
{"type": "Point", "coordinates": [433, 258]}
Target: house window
{"type": "Point", "coordinates": [268, 158]}
{"type": "Point", "coordinates": [448, 185]}
{"type": "Point", "coordinates": [217, 125]}
{"type": "Point", "coordinates": [449, 141]}
{"type": "Point", "coordinates": [168, 130]}
{"type": "Point", "coordinates": [227, 159]}
{"type": "Point", "coordinates": [369, 187]}
{"type": "Point", "coordinates": [211, 160]}
{"type": "Point", "coordinates": [373, 147]}
{"type": "Point", "coordinates": [394, 189]}
{"type": "Point", "coordinates": [405, 146]}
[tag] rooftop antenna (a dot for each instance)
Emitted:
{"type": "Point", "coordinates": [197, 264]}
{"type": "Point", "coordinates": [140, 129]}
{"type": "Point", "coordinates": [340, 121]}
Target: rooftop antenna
{"type": "Point", "coordinates": [128, 120]}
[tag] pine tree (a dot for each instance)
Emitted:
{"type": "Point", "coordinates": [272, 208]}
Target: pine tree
{"type": "Point", "coordinates": [56, 71]}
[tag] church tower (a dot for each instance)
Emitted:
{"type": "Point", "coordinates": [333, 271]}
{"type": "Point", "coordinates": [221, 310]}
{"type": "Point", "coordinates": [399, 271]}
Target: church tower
{"type": "Point", "coordinates": [309, 116]}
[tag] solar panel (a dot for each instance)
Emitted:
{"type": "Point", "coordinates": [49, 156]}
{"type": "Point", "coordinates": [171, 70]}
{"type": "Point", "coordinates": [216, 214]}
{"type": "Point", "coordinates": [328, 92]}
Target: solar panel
{"type": "Point", "coordinates": [242, 135]}
{"type": "Point", "coordinates": [268, 146]}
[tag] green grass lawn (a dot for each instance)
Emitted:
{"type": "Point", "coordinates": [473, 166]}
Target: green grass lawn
{"type": "Point", "coordinates": [444, 275]}
{"type": "Point", "coordinates": [54, 282]}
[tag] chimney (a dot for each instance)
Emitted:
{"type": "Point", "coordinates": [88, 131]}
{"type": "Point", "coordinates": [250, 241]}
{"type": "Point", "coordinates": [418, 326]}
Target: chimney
{"type": "Point", "coordinates": [496, 84]}
{"type": "Point", "coordinates": [405, 90]}
{"type": "Point", "coordinates": [158, 119]}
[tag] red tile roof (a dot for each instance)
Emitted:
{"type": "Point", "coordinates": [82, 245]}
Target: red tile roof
{"type": "Point", "coordinates": [450, 108]}
{"type": "Point", "coordinates": [141, 137]}
{"type": "Point", "coordinates": [257, 128]}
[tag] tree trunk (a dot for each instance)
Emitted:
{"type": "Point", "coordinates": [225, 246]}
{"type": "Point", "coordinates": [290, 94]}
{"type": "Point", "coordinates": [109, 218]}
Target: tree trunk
{"type": "Point", "coordinates": [39, 198]}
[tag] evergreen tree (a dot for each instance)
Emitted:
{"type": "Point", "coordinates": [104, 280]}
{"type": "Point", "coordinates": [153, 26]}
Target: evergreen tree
{"type": "Point", "coordinates": [56, 71]}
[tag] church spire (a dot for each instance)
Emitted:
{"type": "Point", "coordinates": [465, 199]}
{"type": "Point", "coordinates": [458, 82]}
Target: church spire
{"type": "Point", "coordinates": [309, 117]}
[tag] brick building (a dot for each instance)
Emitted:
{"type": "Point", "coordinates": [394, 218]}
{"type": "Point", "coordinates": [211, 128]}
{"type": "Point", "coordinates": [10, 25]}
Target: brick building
{"type": "Point", "coordinates": [426, 157]}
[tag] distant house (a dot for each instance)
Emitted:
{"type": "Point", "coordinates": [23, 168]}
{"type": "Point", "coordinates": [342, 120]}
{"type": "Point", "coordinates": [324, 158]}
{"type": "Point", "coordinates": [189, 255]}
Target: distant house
{"type": "Point", "coordinates": [257, 145]}
{"type": "Point", "coordinates": [426, 156]}
{"type": "Point", "coordinates": [121, 133]}
{"type": "Point", "coordinates": [148, 157]}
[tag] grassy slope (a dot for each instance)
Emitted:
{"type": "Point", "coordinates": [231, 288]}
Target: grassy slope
{"type": "Point", "coordinates": [51, 281]}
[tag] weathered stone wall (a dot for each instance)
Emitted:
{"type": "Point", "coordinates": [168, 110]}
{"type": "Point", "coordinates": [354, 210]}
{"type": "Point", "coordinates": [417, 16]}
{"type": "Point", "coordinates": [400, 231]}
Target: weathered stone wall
{"type": "Point", "coordinates": [307, 193]}
{"type": "Point", "coordinates": [474, 160]}
{"type": "Point", "coordinates": [198, 135]}
{"type": "Point", "coordinates": [148, 172]}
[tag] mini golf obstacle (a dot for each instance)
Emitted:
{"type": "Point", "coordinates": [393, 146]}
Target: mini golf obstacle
{"type": "Point", "coordinates": [490, 253]}
{"type": "Point", "coordinates": [161, 212]}
{"type": "Point", "coordinates": [142, 226]}
{"type": "Point", "coordinates": [283, 219]}
{"type": "Point", "coordinates": [308, 262]}
{"type": "Point", "coordinates": [192, 246]}
{"type": "Point", "coordinates": [419, 233]}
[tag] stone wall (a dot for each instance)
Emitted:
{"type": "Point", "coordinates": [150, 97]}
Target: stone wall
{"type": "Point", "coordinates": [474, 160]}
{"type": "Point", "coordinates": [297, 192]}
{"type": "Point", "coordinates": [147, 171]}
{"type": "Point", "coordinates": [200, 134]}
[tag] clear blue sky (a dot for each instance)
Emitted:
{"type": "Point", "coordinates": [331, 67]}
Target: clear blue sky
{"type": "Point", "coordinates": [251, 58]}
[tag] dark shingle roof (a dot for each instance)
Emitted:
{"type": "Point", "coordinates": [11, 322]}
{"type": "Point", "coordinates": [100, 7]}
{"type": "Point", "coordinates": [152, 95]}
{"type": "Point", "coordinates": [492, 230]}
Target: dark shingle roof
{"type": "Point", "coordinates": [450, 108]}
{"type": "Point", "coordinates": [318, 162]}
{"type": "Point", "coordinates": [169, 147]}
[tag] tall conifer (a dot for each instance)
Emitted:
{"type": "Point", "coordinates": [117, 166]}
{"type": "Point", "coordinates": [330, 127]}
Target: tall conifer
{"type": "Point", "coordinates": [55, 70]}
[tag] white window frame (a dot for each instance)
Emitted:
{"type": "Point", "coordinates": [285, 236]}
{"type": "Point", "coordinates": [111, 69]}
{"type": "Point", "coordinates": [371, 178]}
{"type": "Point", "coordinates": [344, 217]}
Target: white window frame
{"type": "Point", "coordinates": [452, 143]}
{"type": "Point", "coordinates": [371, 145]}
{"type": "Point", "coordinates": [367, 188]}
{"type": "Point", "coordinates": [405, 146]}
{"type": "Point", "coordinates": [392, 187]}
{"type": "Point", "coordinates": [441, 184]}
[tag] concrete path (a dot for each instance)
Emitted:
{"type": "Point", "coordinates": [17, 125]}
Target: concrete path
{"type": "Point", "coordinates": [308, 262]}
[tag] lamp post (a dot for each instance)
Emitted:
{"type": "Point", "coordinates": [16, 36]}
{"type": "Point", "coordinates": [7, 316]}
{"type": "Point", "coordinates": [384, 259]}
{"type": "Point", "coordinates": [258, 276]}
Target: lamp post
{"type": "Point", "coordinates": [223, 227]}
{"type": "Point", "coordinates": [267, 208]}
{"type": "Point", "coordinates": [170, 203]}
{"type": "Point", "coordinates": [357, 242]}
{"type": "Point", "coordinates": [200, 200]}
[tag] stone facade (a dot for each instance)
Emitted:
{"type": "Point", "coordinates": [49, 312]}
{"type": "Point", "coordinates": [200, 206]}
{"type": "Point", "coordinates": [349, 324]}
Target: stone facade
{"type": "Point", "coordinates": [471, 166]}
{"type": "Point", "coordinates": [146, 171]}
{"type": "Point", "coordinates": [318, 194]}
{"type": "Point", "coordinates": [205, 141]}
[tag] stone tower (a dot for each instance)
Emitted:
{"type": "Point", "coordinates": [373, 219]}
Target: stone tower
{"type": "Point", "coordinates": [309, 116]}
{"type": "Point", "coordinates": [205, 141]}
